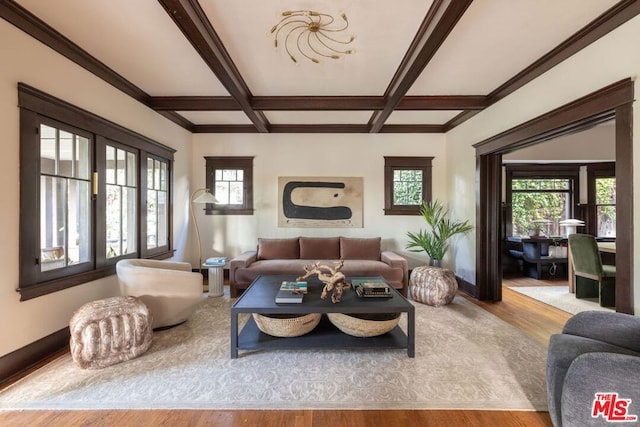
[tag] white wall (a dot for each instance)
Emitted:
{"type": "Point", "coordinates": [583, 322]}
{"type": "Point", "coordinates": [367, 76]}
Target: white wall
{"type": "Point", "coordinates": [356, 155]}
{"type": "Point", "coordinates": [26, 60]}
{"type": "Point", "coordinates": [610, 59]}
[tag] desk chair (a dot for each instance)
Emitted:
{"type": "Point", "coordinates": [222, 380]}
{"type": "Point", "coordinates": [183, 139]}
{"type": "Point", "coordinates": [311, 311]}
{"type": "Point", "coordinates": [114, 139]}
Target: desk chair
{"type": "Point", "coordinates": [600, 279]}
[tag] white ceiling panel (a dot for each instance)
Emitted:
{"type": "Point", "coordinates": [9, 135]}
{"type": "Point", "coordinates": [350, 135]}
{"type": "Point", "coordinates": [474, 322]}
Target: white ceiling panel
{"type": "Point", "coordinates": [495, 39]}
{"type": "Point", "coordinates": [216, 117]}
{"type": "Point", "coordinates": [421, 117]}
{"type": "Point", "coordinates": [382, 34]}
{"type": "Point", "coordinates": [137, 39]}
{"type": "Point", "coordinates": [318, 117]}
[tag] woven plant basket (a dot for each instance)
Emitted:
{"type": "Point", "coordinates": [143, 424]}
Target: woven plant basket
{"type": "Point", "coordinates": [287, 325]}
{"type": "Point", "coordinates": [364, 325]}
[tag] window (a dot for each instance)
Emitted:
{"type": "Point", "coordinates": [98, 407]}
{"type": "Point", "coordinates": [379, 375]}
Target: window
{"type": "Point", "coordinates": [407, 183]}
{"type": "Point", "coordinates": [539, 197]}
{"type": "Point", "coordinates": [602, 196]}
{"type": "Point", "coordinates": [231, 182]}
{"type": "Point", "coordinates": [83, 175]}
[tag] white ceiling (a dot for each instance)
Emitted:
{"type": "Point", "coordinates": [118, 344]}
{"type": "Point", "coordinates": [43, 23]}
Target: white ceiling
{"type": "Point", "coordinates": [492, 42]}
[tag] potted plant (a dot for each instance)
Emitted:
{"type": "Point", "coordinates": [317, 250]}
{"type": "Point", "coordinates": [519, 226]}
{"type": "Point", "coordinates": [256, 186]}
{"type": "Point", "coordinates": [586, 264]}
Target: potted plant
{"type": "Point", "coordinates": [436, 241]}
{"type": "Point", "coordinates": [429, 285]}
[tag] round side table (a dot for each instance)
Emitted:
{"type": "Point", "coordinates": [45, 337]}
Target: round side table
{"type": "Point", "coordinates": [216, 279]}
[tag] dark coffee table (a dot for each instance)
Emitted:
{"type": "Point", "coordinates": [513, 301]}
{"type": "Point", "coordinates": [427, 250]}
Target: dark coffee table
{"type": "Point", "coordinates": [259, 297]}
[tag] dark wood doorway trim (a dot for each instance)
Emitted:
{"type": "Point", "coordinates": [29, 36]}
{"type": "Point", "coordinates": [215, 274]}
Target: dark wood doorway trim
{"type": "Point", "coordinates": [612, 102]}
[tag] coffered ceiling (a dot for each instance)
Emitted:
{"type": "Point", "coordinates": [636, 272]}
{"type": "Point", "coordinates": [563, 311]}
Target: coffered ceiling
{"type": "Point", "coordinates": [417, 66]}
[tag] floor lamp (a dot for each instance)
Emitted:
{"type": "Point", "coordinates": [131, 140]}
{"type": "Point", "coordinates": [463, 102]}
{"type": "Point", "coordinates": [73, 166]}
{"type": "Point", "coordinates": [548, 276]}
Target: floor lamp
{"type": "Point", "coordinates": [200, 196]}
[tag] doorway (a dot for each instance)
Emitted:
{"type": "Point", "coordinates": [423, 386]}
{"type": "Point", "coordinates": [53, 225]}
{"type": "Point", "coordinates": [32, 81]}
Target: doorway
{"type": "Point", "coordinates": [613, 102]}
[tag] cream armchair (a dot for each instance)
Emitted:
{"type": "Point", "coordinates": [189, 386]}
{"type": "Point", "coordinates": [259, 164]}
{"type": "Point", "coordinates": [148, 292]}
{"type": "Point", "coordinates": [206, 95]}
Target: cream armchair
{"type": "Point", "coordinates": [169, 289]}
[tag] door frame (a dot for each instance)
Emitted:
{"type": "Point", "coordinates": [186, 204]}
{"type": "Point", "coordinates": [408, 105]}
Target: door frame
{"type": "Point", "coordinates": [611, 102]}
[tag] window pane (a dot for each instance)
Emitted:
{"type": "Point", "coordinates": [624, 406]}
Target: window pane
{"type": "Point", "coordinates": [163, 176]}
{"type": "Point", "coordinates": [132, 169]}
{"type": "Point", "coordinates": [222, 192]}
{"type": "Point", "coordinates": [114, 220]}
{"type": "Point", "coordinates": [82, 166]}
{"type": "Point", "coordinates": [156, 175]}
{"type": "Point", "coordinates": [229, 175]}
{"type": "Point", "coordinates": [531, 208]}
{"type": "Point", "coordinates": [78, 238]}
{"type": "Point", "coordinates": [121, 212]}
{"type": "Point", "coordinates": [122, 171]}
{"type": "Point", "coordinates": [150, 173]}
{"type": "Point", "coordinates": [64, 222]}
{"type": "Point", "coordinates": [606, 221]}
{"type": "Point", "coordinates": [152, 220]}
{"type": "Point", "coordinates": [605, 191]}
{"type": "Point", "coordinates": [66, 156]}
{"type": "Point", "coordinates": [163, 215]}
{"type": "Point", "coordinates": [407, 187]}
{"type": "Point", "coordinates": [111, 165]}
{"type": "Point", "coordinates": [48, 150]}
{"type": "Point", "coordinates": [236, 193]}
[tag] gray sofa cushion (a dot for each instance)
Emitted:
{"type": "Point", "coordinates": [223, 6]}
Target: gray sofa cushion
{"type": "Point", "coordinates": [359, 248]}
{"type": "Point", "coordinates": [319, 247]}
{"type": "Point", "coordinates": [278, 248]}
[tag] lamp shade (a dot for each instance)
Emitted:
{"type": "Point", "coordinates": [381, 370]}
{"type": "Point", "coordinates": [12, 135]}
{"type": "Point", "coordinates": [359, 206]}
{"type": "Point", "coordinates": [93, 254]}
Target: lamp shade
{"type": "Point", "coordinates": [205, 197]}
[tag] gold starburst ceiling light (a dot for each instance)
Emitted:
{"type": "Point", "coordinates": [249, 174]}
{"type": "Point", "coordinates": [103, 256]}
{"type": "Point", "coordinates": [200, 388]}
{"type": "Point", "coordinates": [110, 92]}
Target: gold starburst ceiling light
{"type": "Point", "coordinates": [313, 34]}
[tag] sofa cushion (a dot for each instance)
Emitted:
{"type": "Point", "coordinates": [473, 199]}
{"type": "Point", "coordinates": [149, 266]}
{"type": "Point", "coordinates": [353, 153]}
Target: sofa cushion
{"type": "Point", "coordinates": [278, 248]}
{"type": "Point", "coordinates": [319, 248]}
{"type": "Point", "coordinates": [360, 248]}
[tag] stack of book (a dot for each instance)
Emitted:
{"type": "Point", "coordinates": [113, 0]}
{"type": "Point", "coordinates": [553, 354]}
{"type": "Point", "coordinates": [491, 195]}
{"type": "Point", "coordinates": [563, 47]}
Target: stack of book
{"type": "Point", "coordinates": [291, 292]}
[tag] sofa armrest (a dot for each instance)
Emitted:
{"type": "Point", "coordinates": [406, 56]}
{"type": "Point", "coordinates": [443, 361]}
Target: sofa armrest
{"type": "Point", "coordinates": [241, 261]}
{"type": "Point", "coordinates": [593, 373]}
{"type": "Point", "coordinates": [622, 330]}
{"type": "Point", "coordinates": [397, 261]}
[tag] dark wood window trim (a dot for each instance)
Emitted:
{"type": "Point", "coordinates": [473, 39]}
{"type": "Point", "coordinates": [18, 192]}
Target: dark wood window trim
{"type": "Point", "coordinates": [392, 164]}
{"type": "Point", "coordinates": [38, 107]}
{"type": "Point", "coordinates": [569, 171]}
{"type": "Point", "coordinates": [244, 163]}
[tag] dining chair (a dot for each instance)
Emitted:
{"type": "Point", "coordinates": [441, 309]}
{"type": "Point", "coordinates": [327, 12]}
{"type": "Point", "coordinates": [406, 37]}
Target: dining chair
{"type": "Point", "coordinates": [587, 264]}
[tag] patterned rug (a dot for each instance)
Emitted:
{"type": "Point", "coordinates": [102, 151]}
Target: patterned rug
{"type": "Point", "coordinates": [559, 297]}
{"type": "Point", "coordinates": [466, 358]}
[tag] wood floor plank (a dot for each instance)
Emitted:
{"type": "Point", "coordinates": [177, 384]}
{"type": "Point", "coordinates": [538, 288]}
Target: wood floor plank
{"type": "Point", "coordinates": [534, 318]}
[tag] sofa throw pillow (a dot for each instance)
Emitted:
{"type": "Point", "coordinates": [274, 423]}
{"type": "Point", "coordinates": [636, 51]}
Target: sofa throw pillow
{"type": "Point", "coordinates": [360, 248]}
{"type": "Point", "coordinates": [319, 247]}
{"type": "Point", "coordinates": [278, 248]}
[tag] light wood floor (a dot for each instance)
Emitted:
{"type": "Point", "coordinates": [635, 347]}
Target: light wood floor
{"type": "Point", "coordinates": [534, 318]}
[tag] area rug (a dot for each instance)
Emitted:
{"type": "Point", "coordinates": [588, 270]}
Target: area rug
{"type": "Point", "coordinates": [466, 358]}
{"type": "Point", "coordinates": [560, 297]}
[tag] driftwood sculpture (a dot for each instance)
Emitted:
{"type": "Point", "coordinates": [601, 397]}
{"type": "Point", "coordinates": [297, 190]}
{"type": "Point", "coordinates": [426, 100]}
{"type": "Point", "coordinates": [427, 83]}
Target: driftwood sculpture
{"type": "Point", "coordinates": [332, 277]}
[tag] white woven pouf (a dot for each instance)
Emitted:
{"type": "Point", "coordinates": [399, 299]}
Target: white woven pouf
{"type": "Point", "coordinates": [109, 331]}
{"type": "Point", "coordinates": [433, 285]}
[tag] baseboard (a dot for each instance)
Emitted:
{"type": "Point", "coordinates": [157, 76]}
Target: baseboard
{"type": "Point", "coordinates": [466, 287]}
{"type": "Point", "coordinates": [21, 360]}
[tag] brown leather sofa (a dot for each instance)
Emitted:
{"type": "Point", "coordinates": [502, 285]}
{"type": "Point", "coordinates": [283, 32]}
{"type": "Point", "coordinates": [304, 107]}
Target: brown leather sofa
{"type": "Point", "coordinates": [362, 257]}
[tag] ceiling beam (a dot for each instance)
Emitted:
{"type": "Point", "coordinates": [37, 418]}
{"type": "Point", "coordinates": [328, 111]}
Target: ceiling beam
{"type": "Point", "coordinates": [440, 20]}
{"type": "Point", "coordinates": [192, 21]}
{"type": "Point", "coordinates": [318, 103]}
{"type": "Point", "coordinates": [321, 128]}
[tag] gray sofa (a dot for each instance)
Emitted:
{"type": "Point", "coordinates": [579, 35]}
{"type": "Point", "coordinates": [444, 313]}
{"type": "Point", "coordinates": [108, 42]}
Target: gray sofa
{"type": "Point", "coordinates": [597, 352]}
{"type": "Point", "coordinates": [362, 257]}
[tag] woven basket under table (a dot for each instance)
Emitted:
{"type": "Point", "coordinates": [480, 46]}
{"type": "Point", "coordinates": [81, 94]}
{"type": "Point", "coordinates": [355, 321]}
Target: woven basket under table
{"type": "Point", "coordinates": [291, 325]}
{"type": "Point", "coordinates": [364, 325]}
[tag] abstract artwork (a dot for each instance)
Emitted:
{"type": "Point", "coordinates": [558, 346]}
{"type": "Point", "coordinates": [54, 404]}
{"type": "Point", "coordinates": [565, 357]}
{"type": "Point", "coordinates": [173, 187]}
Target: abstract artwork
{"type": "Point", "coordinates": [320, 202]}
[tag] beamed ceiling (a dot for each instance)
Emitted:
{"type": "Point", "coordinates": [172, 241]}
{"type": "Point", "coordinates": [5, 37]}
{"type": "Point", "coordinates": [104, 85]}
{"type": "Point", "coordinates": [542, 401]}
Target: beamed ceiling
{"type": "Point", "coordinates": [419, 66]}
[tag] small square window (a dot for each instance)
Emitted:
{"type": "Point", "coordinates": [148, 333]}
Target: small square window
{"type": "Point", "coordinates": [407, 183]}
